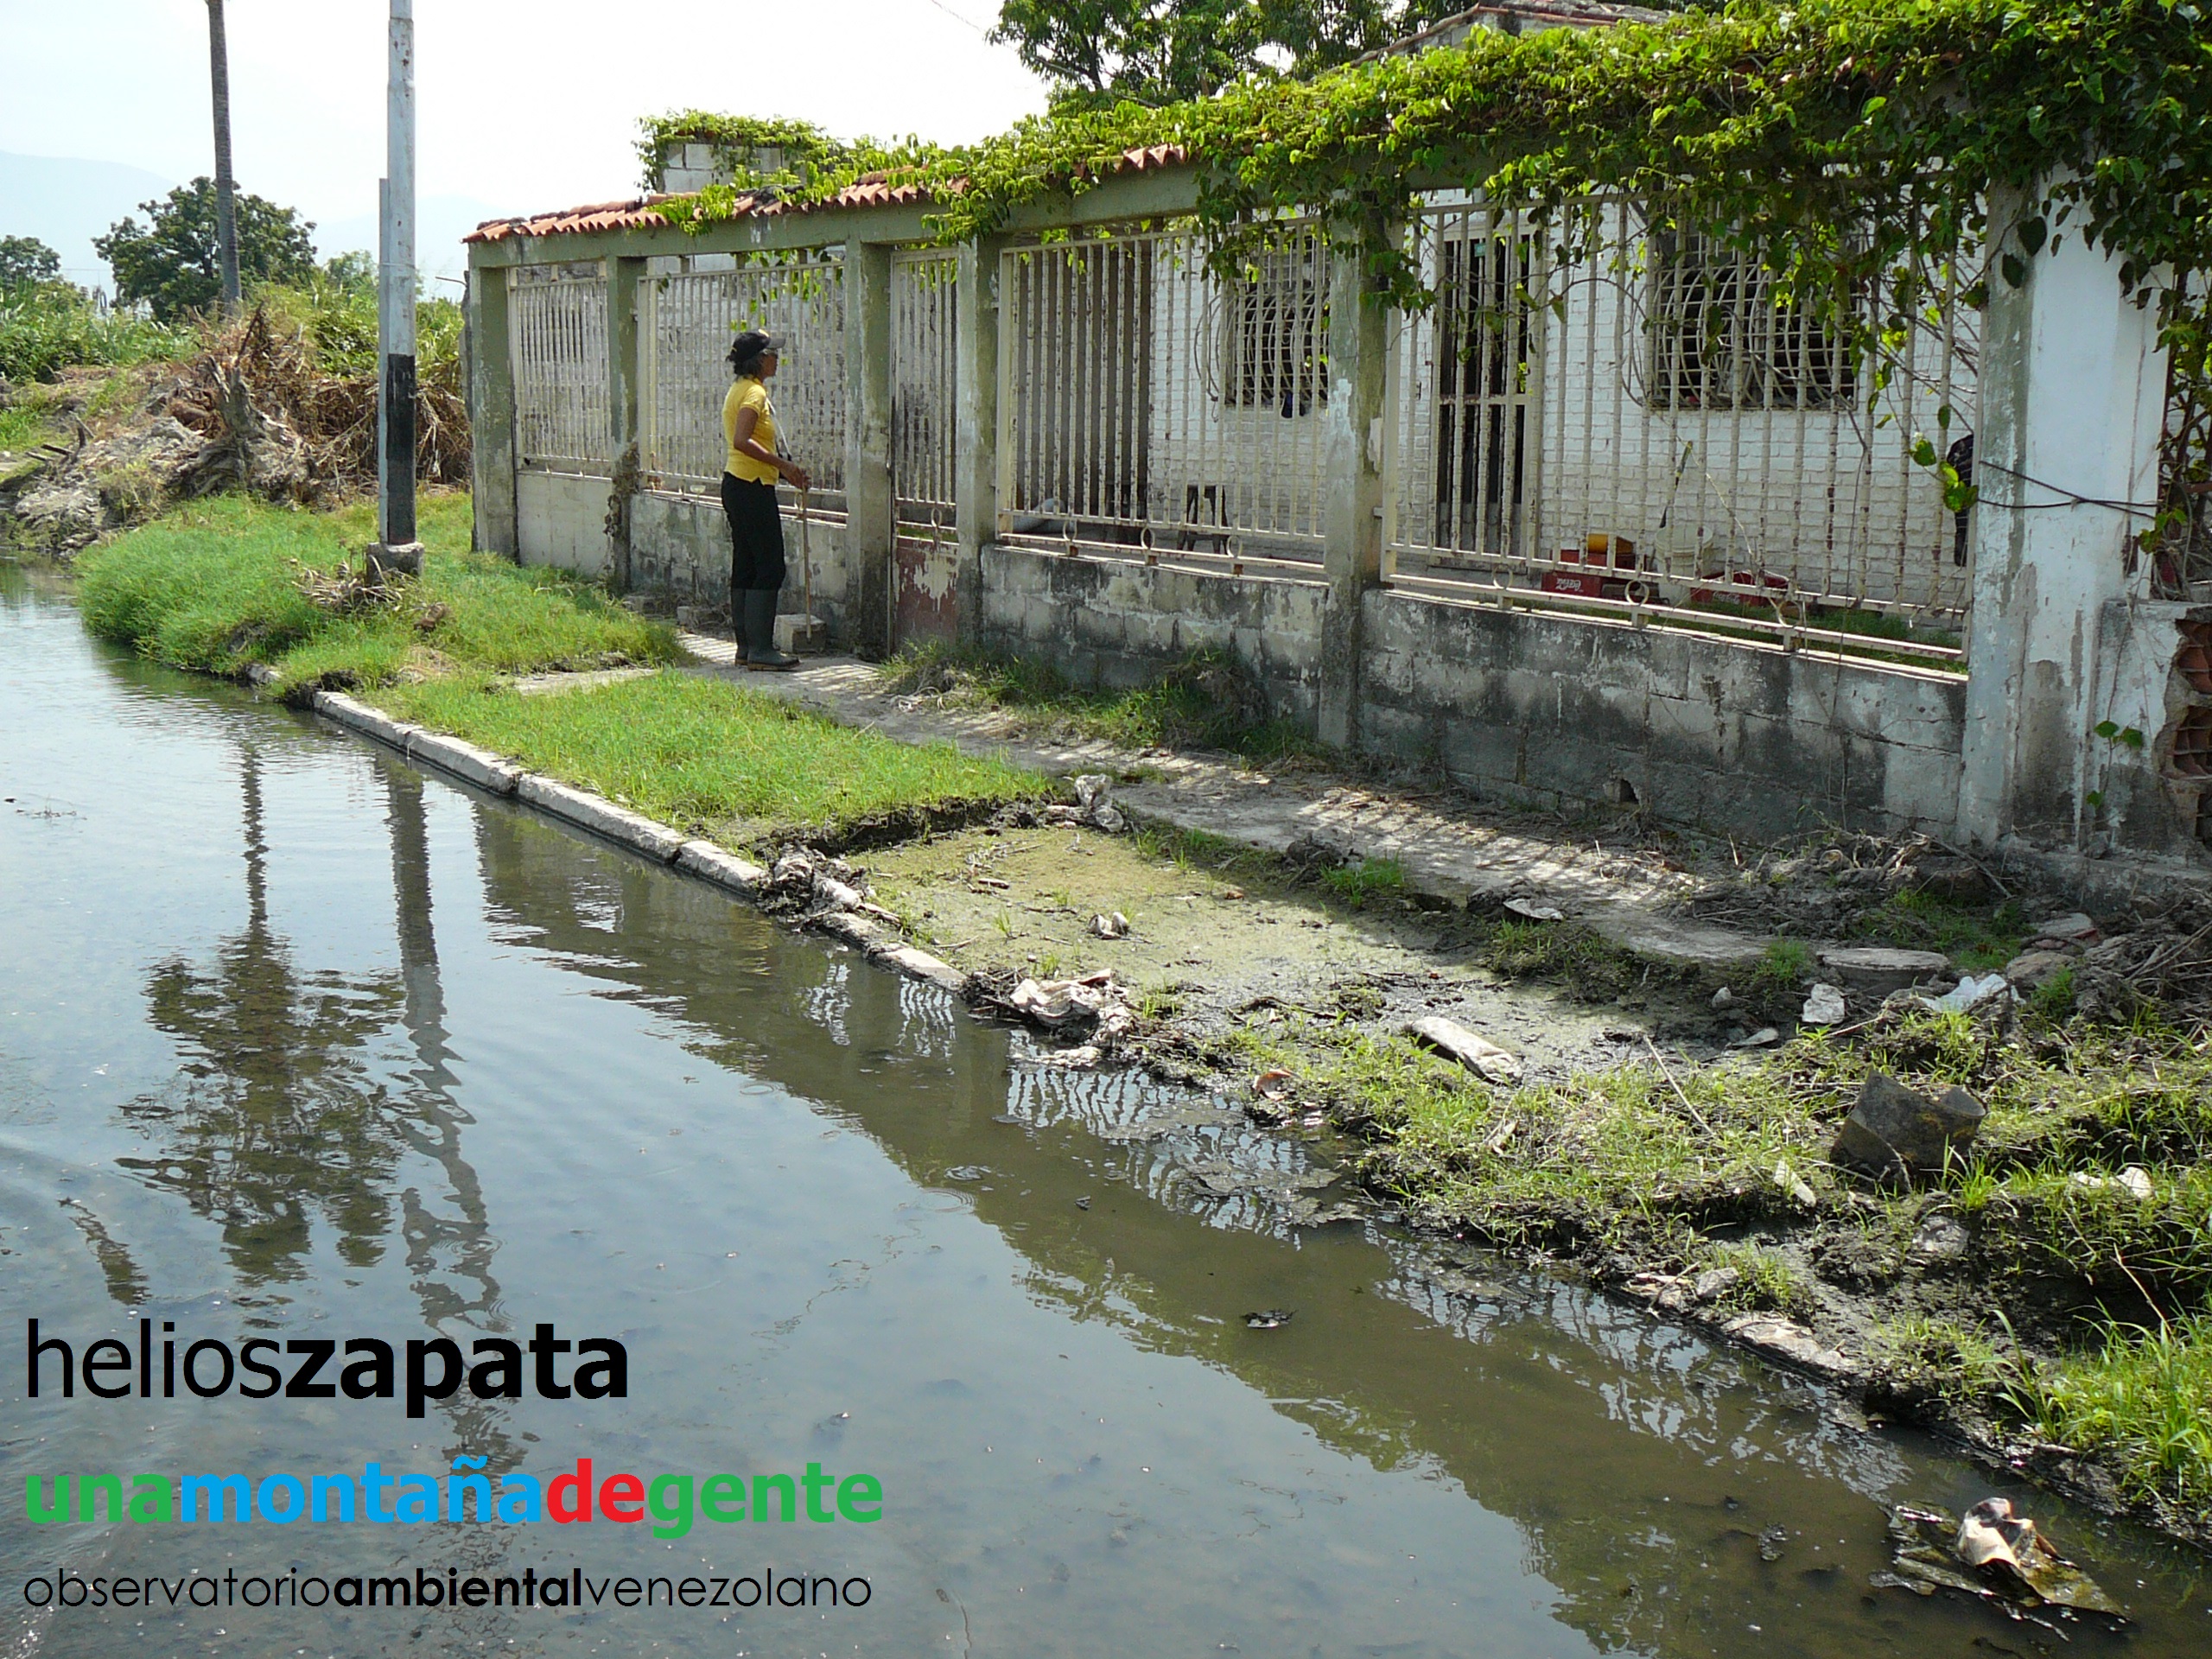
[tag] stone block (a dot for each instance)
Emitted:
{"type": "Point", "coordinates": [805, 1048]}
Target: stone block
{"type": "Point", "coordinates": [465, 761]}
{"type": "Point", "coordinates": [1895, 1130]}
{"type": "Point", "coordinates": [603, 817]}
{"type": "Point", "coordinates": [359, 717]}
{"type": "Point", "coordinates": [725, 869]}
{"type": "Point", "coordinates": [1878, 968]}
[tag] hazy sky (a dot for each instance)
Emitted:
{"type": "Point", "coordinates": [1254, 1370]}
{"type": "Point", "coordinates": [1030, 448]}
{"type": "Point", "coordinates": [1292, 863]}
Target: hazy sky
{"type": "Point", "coordinates": [526, 104]}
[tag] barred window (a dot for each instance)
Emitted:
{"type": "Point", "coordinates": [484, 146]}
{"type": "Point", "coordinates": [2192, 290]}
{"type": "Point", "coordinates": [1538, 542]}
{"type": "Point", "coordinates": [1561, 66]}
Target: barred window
{"type": "Point", "coordinates": [1277, 336]}
{"type": "Point", "coordinates": [1721, 339]}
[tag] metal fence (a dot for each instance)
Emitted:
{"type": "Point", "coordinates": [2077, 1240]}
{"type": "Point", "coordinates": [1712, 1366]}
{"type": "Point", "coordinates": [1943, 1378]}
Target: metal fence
{"type": "Point", "coordinates": [1145, 401]}
{"type": "Point", "coordinates": [685, 323]}
{"type": "Point", "coordinates": [925, 284]}
{"type": "Point", "coordinates": [1652, 417]}
{"type": "Point", "coordinates": [561, 369]}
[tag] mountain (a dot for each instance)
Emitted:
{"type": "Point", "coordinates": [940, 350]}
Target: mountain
{"type": "Point", "coordinates": [65, 202]}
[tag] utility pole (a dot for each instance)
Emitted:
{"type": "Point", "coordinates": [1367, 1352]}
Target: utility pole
{"type": "Point", "coordinates": [395, 309]}
{"type": "Point", "coordinates": [226, 201]}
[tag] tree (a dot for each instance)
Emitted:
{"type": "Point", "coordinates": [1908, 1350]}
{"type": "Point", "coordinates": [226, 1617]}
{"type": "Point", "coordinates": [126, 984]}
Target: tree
{"type": "Point", "coordinates": [173, 261]}
{"type": "Point", "coordinates": [1163, 51]}
{"type": "Point", "coordinates": [26, 262]}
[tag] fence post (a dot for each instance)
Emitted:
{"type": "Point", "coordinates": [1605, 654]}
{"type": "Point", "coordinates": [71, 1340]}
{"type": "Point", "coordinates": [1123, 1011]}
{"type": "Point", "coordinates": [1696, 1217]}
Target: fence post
{"type": "Point", "coordinates": [975, 427]}
{"type": "Point", "coordinates": [623, 391]}
{"type": "Point", "coordinates": [492, 411]}
{"type": "Point", "coordinates": [1352, 485]}
{"type": "Point", "coordinates": [871, 512]}
{"type": "Point", "coordinates": [2073, 405]}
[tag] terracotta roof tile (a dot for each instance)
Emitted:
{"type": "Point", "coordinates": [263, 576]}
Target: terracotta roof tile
{"type": "Point", "coordinates": [872, 191]}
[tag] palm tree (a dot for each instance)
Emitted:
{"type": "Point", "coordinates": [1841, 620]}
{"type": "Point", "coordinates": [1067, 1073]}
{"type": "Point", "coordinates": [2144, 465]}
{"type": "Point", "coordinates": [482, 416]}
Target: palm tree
{"type": "Point", "coordinates": [226, 212]}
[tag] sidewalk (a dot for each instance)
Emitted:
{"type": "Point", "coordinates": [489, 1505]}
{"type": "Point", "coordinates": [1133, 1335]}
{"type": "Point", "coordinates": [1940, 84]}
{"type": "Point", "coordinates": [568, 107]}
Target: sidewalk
{"type": "Point", "coordinates": [1448, 847]}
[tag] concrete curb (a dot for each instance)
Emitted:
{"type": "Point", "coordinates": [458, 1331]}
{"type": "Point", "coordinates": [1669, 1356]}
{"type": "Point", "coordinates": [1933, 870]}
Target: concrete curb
{"type": "Point", "coordinates": [633, 831]}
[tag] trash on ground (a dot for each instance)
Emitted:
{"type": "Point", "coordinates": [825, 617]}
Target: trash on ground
{"type": "Point", "coordinates": [1824, 1005]}
{"type": "Point", "coordinates": [1477, 1053]}
{"type": "Point", "coordinates": [1530, 909]}
{"type": "Point", "coordinates": [1764, 1037]}
{"type": "Point", "coordinates": [1094, 807]}
{"type": "Point", "coordinates": [1969, 994]}
{"type": "Point", "coordinates": [1272, 1084]}
{"type": "Point", "coordinates": [1269, 1318]}
{"type": "Point", "coordinates": [1111, 926]}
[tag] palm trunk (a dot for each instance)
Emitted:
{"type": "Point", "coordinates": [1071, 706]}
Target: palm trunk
{"type": "Point", "coordinates": [226, 210]}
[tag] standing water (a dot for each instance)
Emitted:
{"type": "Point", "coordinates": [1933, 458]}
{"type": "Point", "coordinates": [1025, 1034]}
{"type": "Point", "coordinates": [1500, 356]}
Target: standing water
{"type": "Point", "coordinates": [297, 1044]}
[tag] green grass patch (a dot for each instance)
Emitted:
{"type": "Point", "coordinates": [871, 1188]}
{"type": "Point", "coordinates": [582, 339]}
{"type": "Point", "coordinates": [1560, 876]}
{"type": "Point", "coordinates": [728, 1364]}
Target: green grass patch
{"type": "Point", "coordinates": [1371, 880]}
{"type": "Point", "coordinates": [215, 586]}
{"type": "Point", "coordinates": [710, 757]}
{"type": "Point", "coordinates": [1207, 701]}
{"type": "Point", "coordinates": [2142, 1399]}
{"type": "Point", "coordinates": [1975, 936]}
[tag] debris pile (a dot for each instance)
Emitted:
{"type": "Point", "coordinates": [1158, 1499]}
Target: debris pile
{"type": "Point", "coordinates": [1094, 1009]}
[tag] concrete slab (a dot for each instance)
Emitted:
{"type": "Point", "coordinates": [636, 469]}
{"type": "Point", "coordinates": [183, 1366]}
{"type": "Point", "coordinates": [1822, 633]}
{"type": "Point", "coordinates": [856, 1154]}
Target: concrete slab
{"type": "Point", "coordinates": [618, 824]}
{"type": "Point", "coordinates": [466, 761]}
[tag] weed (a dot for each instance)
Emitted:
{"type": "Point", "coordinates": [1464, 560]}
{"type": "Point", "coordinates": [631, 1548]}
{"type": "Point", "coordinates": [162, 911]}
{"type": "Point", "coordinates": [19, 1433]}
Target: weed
{"type": "Point", "coordinates": [1767, 1283]}
{"type": "Point", "coordinates": [1365, 883]}
{"type": "Point", "coordinates": [2051, 1002]}
{"type": "Point", "coordinates": [1784, 967]}
{"type": "Point", "coordinates": [1206, 701]}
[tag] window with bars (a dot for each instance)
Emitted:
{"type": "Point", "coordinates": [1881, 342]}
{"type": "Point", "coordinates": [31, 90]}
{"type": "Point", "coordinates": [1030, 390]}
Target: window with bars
{"type": "Point", "coordinates": [1722, 339]}
{"type": "Point", "coordinates": [1278, 332]}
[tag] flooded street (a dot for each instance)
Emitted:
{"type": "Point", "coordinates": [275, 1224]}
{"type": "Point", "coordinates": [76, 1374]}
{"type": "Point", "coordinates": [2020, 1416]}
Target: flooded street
{"type": "Point", "coordinates": [298, 1042]}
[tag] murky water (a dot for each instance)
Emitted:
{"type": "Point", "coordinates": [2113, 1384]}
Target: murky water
{"type": "Point", "coordinates": [295, 1042]}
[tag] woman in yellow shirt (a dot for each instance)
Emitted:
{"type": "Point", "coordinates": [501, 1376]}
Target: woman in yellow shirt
{"type": "Point", "coordinates": [749, 477]}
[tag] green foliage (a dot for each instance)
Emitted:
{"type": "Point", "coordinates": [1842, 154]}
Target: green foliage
{"type": "Point", "coordinates": [170, 261]}
{"type": "Point", "coordinates": [737, 141]}
{"type": "Point", "coordinates": [1206, 701]}
{"type": "Point", "coordinates": [1768, 1281]}
{"type": "Point", "coordinates": [1784, 966]}
{"type": "Point", "coordinates": [1853, 144]}
{"type": "Point", "coordinates": [215, 587]}
{"type": "Point", "coordinates": [2144, 1398]}
{"type": "Point", "coordinates": [47, 327]}
{"type": "Point", "coordinates": [335, 306]}
{"type": "Point", "coordinates": [26, 262]}
{"type": "Point", "coordinates": [1101, 53]}
{"type": "Point", "coordinates": [708, 756]}
{"type": "Point", "coordinates": [1367, 882]}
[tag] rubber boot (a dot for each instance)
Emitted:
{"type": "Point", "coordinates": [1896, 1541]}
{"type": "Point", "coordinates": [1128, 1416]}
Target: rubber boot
{"type": "Point", "coordinates": [760, 651]}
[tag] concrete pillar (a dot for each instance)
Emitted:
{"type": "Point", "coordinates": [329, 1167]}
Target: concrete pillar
{"type": "Point", "coordinates": [1351, 471]}
{"type": "Point", "coordinates": [2073, 401]}
{"type": "Point", "coordinates": [624, 383]}
{"type": "Point", "coordinates": [871, 513]}
{"type": "Point", "coordinates": [492, 411]}
{"type": "Point", "coordinates": [975, 442]}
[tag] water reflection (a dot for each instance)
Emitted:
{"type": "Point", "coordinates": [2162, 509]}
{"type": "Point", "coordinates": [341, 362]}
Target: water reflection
{"type": "Point", "coordinates": [275, 1118]}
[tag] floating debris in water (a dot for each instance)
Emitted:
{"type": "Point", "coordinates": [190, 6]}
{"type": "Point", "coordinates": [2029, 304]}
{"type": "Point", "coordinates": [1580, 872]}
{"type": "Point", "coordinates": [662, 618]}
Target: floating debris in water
{"type": "Point", "coordinates": [1995, 1556]}
{"type": "Point", "coordinates": [1269, 1318]}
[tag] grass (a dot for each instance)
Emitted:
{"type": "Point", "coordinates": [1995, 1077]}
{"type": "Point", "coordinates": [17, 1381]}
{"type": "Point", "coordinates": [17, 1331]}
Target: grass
{"type": "Point", "coordinates": [48, 327]}
{"type": "Point", "coordinates": [1369, 881]}
{"type": "Point", "coordinates": [1976, 937]}
{"type": "Point", "coordinates": [2144, 1400]}
{"type": "Point", "coordinates": [2104, 1297]}
{"type": "Point", "coordinates": [214, 586]}
{"type": "Point", "coordinates": [710, 757]}
{"type": "Point", "coordinates": [1206, 701]}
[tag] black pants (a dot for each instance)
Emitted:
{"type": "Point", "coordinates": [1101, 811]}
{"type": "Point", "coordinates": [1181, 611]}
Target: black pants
{"type": "Point", "coordinates": [756, 536]}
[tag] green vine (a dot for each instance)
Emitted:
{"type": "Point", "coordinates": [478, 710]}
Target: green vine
{"type": "Point", "coordinates": [1840, 138]}
{"type": "Point", "coordinates": [735, 140]}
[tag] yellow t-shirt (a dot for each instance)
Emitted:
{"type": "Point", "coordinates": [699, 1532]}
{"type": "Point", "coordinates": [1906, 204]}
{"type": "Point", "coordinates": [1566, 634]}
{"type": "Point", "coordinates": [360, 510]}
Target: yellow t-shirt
{"type": "Point", "coordinates": [750, 394]}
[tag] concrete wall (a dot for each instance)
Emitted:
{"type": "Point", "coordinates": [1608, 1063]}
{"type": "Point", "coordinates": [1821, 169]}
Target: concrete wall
{"type": "Point", "coordinates": [1111, 622]}
{"type": "Point", "coordinates": [679, 544]}
{"type": "Point", "coordinates": [1549, 710]}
